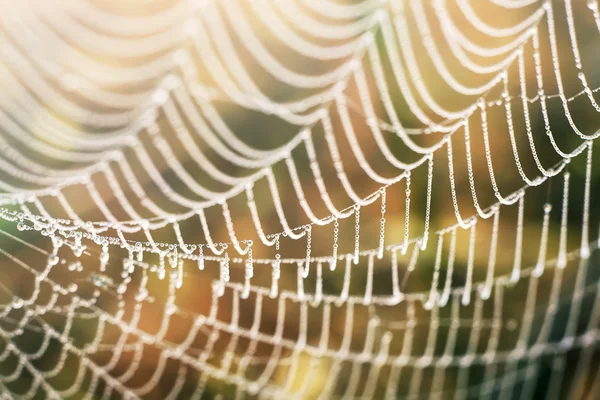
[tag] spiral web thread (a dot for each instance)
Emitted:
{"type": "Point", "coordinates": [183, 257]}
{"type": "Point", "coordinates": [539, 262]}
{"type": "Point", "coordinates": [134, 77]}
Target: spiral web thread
{"type": "Point", "coordinates": [332, 271]}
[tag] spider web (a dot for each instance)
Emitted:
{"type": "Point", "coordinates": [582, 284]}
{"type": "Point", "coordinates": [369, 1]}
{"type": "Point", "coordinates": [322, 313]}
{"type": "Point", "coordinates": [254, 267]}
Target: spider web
{"type": "Point", "coordinates": [317, 199]}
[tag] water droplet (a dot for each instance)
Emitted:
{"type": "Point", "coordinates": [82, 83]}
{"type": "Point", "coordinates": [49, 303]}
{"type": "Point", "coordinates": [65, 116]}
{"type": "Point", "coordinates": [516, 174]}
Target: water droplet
{"type": "Point", "coordinates": [74, 266]}
{"type": "Point", "coordinates": [121, 289]}
{"type": "Point", "coordinates": [78, 250]}
{"type": "Point", "coordinates": [57, 241]}
{"type": "Point", "coordinates": [53, 259]}
{"type": "Point", "coordinates": [17, 303]}
{"type": "Point", "coordinates": [141, 295]}
{"type": "Point", "coordinates": [170, 309]}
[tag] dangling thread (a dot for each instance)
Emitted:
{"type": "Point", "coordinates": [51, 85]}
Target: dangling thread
{"type": "Point", "coordinates": [382, 225]}
{"type": "Point", "coordinates": [562, 250]}
{"type": "Point", "coordinates": [466, 295]}
{"type": "Point", "coordinates": [356, 232]}
{"type": "Point", "coordinates": [406, 215]}
{"type": "Point", "coordinates": [516, 272]}
{"type": "Point", "coordinates": [336, 230]}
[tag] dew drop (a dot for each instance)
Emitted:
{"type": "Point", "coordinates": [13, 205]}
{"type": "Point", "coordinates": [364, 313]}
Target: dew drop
{"type": "Point", "coordinates": [17, 303]}
{"type": "Point", "coordinates": [53, 259]}
{"type": "Point", "coordinates": [121, 289]}
{"type": "Point", "coordinates": [170, 309]}
{"type": "Point", "coordinates": [74, 266]}
{"type": "Point", "coordinates": [141, 295]}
